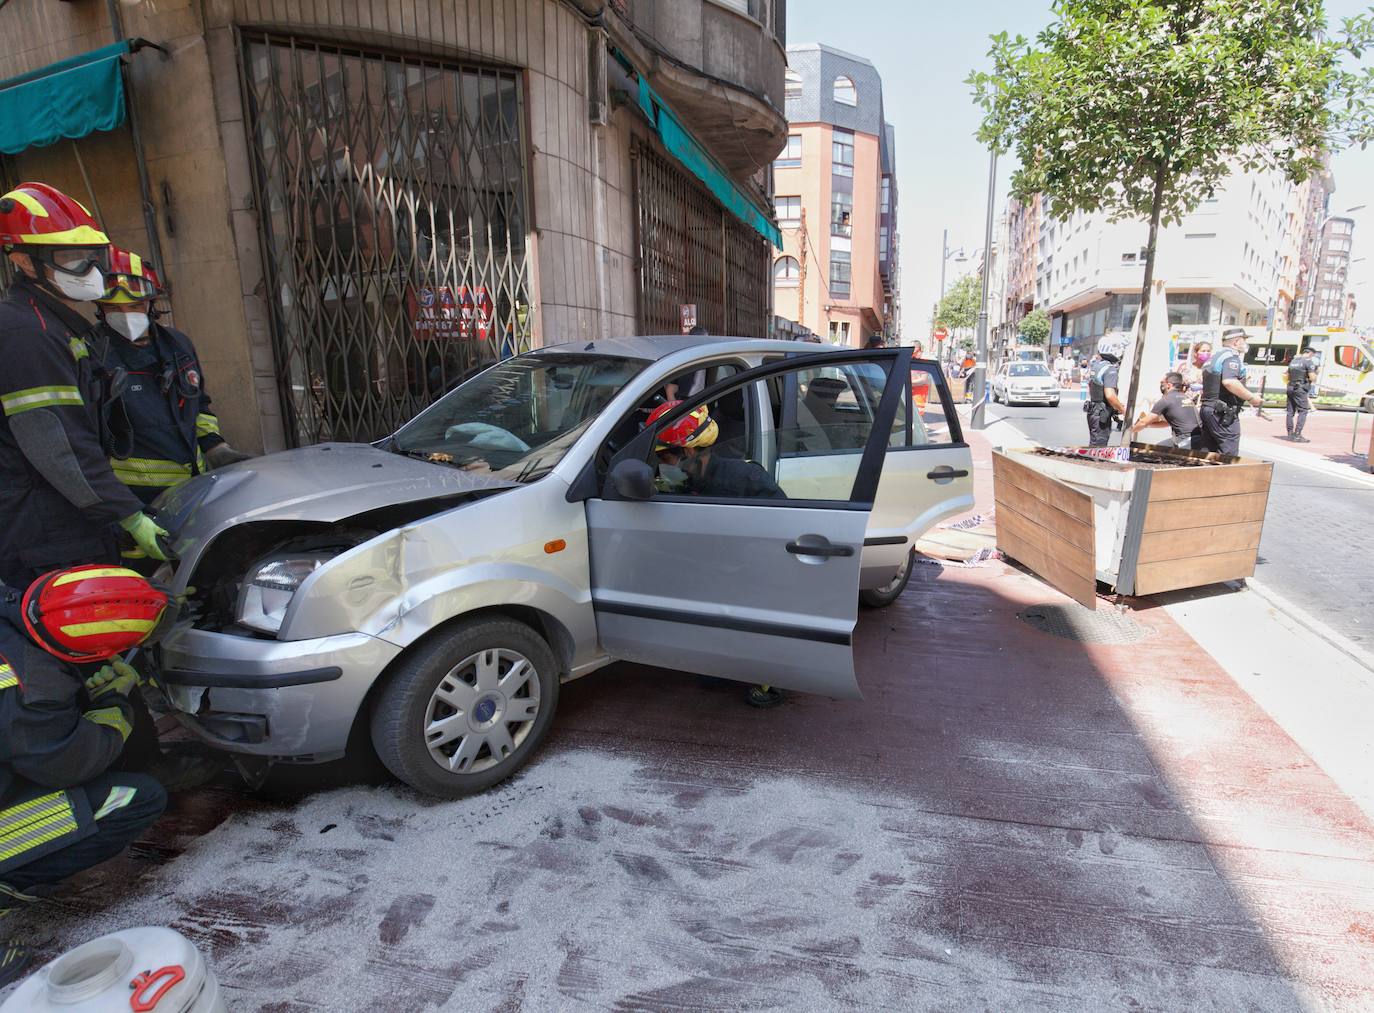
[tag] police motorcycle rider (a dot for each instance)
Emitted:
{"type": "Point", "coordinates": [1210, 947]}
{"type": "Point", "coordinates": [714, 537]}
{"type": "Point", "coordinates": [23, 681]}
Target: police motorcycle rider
{"type": "Point", "coordinates": [1224, 394]}
{"type": "Point", "coordinates": [1302, 375]}
{"type": "Point", "coordinates": [59, 498]}
{"type": "Point", "coordinates": [1104, 405]}
{"type": "Point", "coordinates": [65, 716]}
{"type": "Point", "coordinates": [162, 428]}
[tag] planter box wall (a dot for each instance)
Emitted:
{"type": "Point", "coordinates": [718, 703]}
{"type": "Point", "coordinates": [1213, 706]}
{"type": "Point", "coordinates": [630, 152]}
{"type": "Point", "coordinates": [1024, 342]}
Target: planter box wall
{"type": "Point", "coordinates": [1139, 530]}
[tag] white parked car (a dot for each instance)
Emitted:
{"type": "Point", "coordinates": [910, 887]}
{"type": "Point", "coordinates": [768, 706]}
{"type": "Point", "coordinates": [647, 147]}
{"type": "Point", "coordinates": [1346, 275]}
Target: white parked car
{"type": "Point", "coordinates": [434, 589]}
{"type": "Point", "coordinates": [1025, 383]}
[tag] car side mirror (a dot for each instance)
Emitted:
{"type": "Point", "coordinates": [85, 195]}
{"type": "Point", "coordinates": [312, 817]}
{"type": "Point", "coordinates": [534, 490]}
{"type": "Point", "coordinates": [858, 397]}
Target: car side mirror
{"type": "Point", "coordinates": [633, 479]}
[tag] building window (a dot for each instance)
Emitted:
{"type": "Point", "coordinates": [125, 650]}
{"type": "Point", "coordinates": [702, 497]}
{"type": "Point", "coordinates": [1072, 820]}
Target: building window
{"type": "Point", "coordinates": [839, 273]}
{"type": "Point", "coordinates": [1128, 258]}
{"type": "Point", "coordinates": [1200, 235]}
{"type": "Point", "coordinates": [841, 214]}
{"type": "Point", "coordinates": [845, 92]}
{"type": "Point", "coordinates": [786, 272]}
{"type": "Point", "coordinates": [842, 153]}
{"type": "Point", "coordinates": [789, 211]}
{"type": "Point", "coordinates": [792, 84]}
{"type": "Point", "coordinates": [790, 156]}
{"type": "Point", "coordinates": [839, 332]}
{"type": "Point", "coordinates": [886, 207]}
{"type": "Point", "coordinates": [882, 241]}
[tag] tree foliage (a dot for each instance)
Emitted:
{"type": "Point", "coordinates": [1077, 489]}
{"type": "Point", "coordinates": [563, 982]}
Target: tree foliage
{"type": "Point", "coordinates": [1034, 329]}
{"type": "Point", "coordinates": [1119, 98]}
{"type": "Point", "coordinates": [959, 308]}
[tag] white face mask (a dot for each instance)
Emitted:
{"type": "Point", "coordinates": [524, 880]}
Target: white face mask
{"type": "Point", "coordinates": [672, 474]}
{"type": "Point", "coordinates": [132, 325]}
{"type": "Point", "coordinates": [80, 287]}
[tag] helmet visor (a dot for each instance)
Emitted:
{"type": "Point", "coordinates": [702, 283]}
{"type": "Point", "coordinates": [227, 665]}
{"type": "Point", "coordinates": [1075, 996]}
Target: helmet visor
{"type": "Point", "coordinates": [77, 260]}
{"type": "Point", "coordinates": [132, 287]}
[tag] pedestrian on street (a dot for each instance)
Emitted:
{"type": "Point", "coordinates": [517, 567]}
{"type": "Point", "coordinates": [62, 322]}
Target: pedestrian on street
{"type": "Point", "coordinates": [1173, 410]}
{"type": "Point", "coordinates": [1192, 371]}
{"type": "Point", "coordinates": [874, 341]}
{"type": "Point", "coordinates": [1224, 394]}
{"type": "Point", "coordinates": [63, 807]}
{"type": "Point", "coordinates": [1104, 405]}
{"type": "Point", "coordinates": [1302, 374]}
{"type": "Point", "coordinates": [59, 498]}
{"type": "Point", "coordinates": [162, 428]}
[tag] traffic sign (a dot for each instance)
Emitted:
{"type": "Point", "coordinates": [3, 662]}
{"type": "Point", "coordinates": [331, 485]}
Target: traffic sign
{"type": "Point", "coordinates": [941, 332]}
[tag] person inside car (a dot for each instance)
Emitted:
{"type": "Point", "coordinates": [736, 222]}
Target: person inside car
{"type": "Point", "coordinates": [688, 465]}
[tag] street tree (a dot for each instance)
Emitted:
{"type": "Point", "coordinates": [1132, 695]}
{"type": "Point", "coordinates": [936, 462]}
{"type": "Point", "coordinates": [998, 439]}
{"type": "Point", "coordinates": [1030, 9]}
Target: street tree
{"type": "Point", "coordinates": [958, 310]}
{"type": "Point", "coordinates": [1034, 328]}
{"type": "Point", "coordinates": [1142, 108]}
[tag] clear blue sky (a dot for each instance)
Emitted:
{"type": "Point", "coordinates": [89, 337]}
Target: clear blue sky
{"type": "Point", "coordinates": [924, 52]}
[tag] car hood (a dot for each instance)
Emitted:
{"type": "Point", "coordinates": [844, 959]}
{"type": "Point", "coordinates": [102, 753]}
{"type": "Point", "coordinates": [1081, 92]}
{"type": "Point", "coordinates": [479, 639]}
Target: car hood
{"type": "Point", "coordinates": [327, 483]}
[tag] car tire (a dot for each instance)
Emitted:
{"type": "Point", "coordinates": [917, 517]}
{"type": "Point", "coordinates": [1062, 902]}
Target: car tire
{"type": "Point", "coordinates": [881, 597]}
{"type": "Point", "coordinates": [435, 707]}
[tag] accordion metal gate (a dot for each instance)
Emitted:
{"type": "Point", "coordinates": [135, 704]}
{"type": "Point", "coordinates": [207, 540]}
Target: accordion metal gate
{"type": "Point", "coordinates": [693, 251]}
{"type": "Point", "coordinates": [392, 200]}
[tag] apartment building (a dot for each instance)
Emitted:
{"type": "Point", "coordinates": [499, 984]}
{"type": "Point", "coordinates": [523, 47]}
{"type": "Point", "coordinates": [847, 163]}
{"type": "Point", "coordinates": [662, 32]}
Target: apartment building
{"type": "Point", "coordinates": [835, 195]}
{"type": "Point", "coordinates": [1330, 273]}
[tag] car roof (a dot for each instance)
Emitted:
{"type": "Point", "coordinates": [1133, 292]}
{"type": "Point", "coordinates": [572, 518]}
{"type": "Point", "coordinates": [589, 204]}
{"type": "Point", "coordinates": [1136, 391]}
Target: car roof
{"type": "Point", "coordinates": [659, 346]}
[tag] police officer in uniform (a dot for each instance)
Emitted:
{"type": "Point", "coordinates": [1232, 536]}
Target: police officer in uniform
{"type": "Point", "coordinates": [1302, 374]}
{"type": "Point", "coordinates": [1224, 394]}
{"type": "Point", "coordinates": [63, 807]}
{"type": "Point", "coordinates": [59, 499]}
{"type": "Point", "coordinates": [163, 429]}
{"type": "Point", "coordinates": [1104, 403]}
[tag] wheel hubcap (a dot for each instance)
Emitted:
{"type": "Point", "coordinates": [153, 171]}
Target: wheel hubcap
{"type": "Point", "coordinates": [481, 711]}
{"type": "Point", "coordinates": [897, 580]}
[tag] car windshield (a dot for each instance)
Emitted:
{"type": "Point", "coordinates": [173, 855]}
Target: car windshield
{"type": "Point", "coordinates": [518, 418]}
{"type": "Point", "coordinates": [1029, 369]}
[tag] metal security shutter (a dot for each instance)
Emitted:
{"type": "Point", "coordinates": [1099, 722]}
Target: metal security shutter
{"type": "Point", "coordinates": [391, 193]}
{"type": "Point", "coordinates": [691, 250]}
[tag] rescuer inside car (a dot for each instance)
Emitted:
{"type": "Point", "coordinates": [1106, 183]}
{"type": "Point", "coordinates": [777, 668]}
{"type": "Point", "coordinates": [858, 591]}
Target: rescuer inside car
{"type": "Point", "coordinates": [689, 465]}
{"type": "Point", "coordinates": [66, 713]}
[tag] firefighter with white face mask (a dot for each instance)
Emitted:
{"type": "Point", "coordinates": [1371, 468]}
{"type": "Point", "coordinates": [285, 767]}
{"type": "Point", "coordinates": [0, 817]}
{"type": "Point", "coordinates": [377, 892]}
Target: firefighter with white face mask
{"type": "Point", "coordinates": [59, 498]}
{"type": "Point", "coordinates": [162, 425]}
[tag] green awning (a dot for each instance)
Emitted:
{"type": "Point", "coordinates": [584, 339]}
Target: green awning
{"type": "Point", "coordinates": [686, 150]}
{"type": "Point", "coordinates": [67, 99]}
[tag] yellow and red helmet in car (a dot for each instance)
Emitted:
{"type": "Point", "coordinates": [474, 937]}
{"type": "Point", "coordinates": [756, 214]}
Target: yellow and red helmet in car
{"type": "Point", "coordinates": [91, 613]}
{"type": "Point", "coordinates": [130, 280]}
{"type": "Point", "coordinates": [695, 429]}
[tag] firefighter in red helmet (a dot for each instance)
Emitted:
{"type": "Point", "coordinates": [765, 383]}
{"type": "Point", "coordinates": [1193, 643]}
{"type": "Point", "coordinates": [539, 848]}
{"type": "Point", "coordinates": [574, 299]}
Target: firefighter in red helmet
{"type": "Point", "coordinates": [59, 498]}
{"type": "Point", "coordinates": [162, 427]}
{"type": "Point", "coordinates": [63, 807]}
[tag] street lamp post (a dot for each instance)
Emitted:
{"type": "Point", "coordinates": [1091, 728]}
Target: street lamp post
{"type": "Point", "coordinates": [980, 365]}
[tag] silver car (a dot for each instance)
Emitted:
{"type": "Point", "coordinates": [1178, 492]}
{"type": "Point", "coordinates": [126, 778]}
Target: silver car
{"type": "Point", "coordinates": [1025, 383]}
{"type": "Point", "coordinates": [433, 590]}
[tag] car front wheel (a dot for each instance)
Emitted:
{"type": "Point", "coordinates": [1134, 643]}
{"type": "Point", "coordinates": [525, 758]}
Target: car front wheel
{"type": "Point", "coordinates": [881, 597]}
{"type": "Point", "coordinates": [467, 708]}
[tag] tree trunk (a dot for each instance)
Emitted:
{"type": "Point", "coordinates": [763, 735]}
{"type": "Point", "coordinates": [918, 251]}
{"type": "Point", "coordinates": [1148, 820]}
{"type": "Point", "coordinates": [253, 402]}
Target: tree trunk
{"type": "Point", "coordinates": [1143, 317]}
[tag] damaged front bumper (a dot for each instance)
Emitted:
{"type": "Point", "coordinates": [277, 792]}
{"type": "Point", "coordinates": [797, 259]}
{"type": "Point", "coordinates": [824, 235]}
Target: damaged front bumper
{"type": "Point", "coordinates": [291, 701]}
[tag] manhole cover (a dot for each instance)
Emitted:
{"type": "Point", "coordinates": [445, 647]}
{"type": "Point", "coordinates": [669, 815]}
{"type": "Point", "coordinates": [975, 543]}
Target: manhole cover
{"type": "Point", "coordinates": [1075, 622]}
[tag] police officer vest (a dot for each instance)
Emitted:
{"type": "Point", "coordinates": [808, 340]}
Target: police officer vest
{"type": "Point", "coordinates": [1212, 389]}
{"type": "Point", "coordinates": [1097, 387]}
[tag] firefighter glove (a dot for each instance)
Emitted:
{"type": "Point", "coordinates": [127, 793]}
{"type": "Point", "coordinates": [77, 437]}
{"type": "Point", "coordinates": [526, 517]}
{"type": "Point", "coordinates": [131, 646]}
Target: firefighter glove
{"type": "Point", "coordinates": [116, 677]}
{"type": "Point", "coordinates": [146, 534]}
{"type": "Point", "coordinates": [221, 455]}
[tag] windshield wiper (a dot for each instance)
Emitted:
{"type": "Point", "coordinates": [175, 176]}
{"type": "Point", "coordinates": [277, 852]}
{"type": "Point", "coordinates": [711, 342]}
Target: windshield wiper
{"type": "Point", "coordinates": [430, 456]}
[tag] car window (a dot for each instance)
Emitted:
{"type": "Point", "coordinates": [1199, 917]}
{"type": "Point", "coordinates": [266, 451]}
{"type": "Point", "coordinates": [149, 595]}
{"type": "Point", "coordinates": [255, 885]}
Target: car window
{"type": "Point", "coordinates": [1029, 369]}
{"type": "Point", "coordinates": [518, 418]}
{"type": "Point", "coordinates": [805, 443]}
{"type": "Point", "coordinates": [933, 422]}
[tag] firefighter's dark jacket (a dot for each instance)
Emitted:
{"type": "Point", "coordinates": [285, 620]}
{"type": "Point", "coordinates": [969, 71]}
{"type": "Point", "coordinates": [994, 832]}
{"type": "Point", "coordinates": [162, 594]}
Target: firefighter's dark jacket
{"type": "Point", "coordinates": [163, 423]}
{"type": "Point", "coordinates": [58, 496]}
{"type": "Point", "coordinates": [46, 745]}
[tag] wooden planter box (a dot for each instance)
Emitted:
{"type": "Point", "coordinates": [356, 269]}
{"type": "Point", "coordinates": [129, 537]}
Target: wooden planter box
{"type": "Point", "coordinates": [1140, 530]}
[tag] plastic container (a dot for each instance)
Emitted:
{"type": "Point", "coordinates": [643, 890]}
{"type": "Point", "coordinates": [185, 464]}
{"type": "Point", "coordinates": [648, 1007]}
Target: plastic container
{"type": "Point", "coordinates": [150, 970]}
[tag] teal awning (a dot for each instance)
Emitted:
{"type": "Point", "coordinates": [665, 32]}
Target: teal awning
{"type": "Point", "coordinates": [686, 150]}
{"type": "Point", "coordinates": [67, 99]}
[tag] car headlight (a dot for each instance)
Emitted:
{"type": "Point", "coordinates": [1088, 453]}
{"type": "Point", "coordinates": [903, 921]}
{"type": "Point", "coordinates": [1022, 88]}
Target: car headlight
{"type": "Point", "coordinates": [269, 585]}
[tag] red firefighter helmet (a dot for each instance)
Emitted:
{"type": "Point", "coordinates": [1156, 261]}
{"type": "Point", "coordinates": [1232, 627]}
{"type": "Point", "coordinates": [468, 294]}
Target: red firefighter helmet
{"type": "Point", "coordinates": [91, 613]}
{"type": "Point", "coordinates": [130, 280]}
{"type": "Point", "coordinates": [35, 214]}
{"type": "Point", "coordinates": [695, 429]}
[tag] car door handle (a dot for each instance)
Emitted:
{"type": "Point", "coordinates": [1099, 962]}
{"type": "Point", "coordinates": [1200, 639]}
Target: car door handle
{"type": "Point", "coordinates": [946, 472]}
{"type": "Point", "coordinates": [798, 549]}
